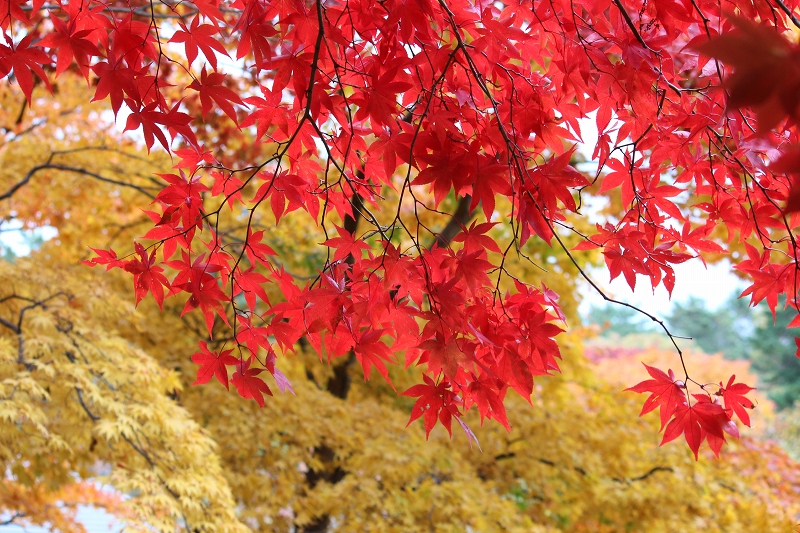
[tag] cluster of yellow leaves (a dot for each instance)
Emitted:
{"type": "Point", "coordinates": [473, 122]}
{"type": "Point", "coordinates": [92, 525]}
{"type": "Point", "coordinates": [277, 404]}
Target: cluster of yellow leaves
{"type": "Point", "coordinates": [75, 393]}
{"type": "Point", "coordinates": [93, 388]}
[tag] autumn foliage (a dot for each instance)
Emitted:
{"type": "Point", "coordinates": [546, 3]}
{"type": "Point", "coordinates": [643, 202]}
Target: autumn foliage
{"type": "Point", "coordinates": [96, 393]}
{"type": "Point", "coordinates": [390, 126]}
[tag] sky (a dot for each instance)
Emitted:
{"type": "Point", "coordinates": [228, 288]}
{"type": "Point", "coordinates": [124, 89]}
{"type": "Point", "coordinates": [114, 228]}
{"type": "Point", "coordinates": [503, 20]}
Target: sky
{"type": "Point", "coordinates": [713, 285]}
{"type": "Point", "coordinates": [94, 520]}
{"type": "Point", "coordinates": [13, 237]}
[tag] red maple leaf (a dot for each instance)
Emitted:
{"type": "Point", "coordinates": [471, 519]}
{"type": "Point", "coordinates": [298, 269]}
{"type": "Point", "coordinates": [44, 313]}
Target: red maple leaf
{"type": "Point", "coordinates": [768, 282]}
{"type": "Point", "coordinates": [735, 401]}
{"type": "Point", "coordinates": [627, 178]}
{"type": "Point", "coordinates": [199, 36]}
{"type": "Point", "coordinates": [151, 118]}
{"type": "Point", "coordinates": [247, 382]}
{"type": "Point", "coordinates": [115, 81]}
{"type": "Point", "coordinates": [346, 245]}
{"type": "Point", "coordinates": [789, 163]}
{"type": "Point", "coordinates": [446, 162]}
{"type": "Point", "coordinates": [256, 30]}
{"type": "Point", "coordinates": [212, 91]}
{"type": "Point", "coordinates": [471, 267]}
{"type": "Point", "coordinates": [257, 251]}
{"type": "Point", "coordinates": [554, 179]}
{"type": "Point", "coordinates": [212, 364]}
{"type": "Point", "coordinates": [23, 59]}
{"type": "Point", "coordinates": [208, 297]}
{"type": "Point", "coordinates": [105, 257]}
{"type": "Point", "coordinates": [514, 370]}
{"type": "Point", "coordinates": [251, 336]}
{"type": "Point", "coordinates": [766, 74]}
{"type": "Point", "coordinates": [435, 402]}
{"type": "Point", "coordinates": [694, 421]}
{"type": "Point", "coordinates": [490, 179]}
{"type": "Point", "coordinates": [625, 262]}
{"type": "Point", "coordinates": [148, 118]}
{"type": "Point", "coordinates": [475, 238]}
{"type": "Point", "coordinates": [251, 283]}
{"type": "Point", "coordinates": [380, 102]}
{"type": "Point", "coordinates": [442, 356]}
{"type": "Point", "coordinates": [147, 277]}
{"type": "Point", "coordinates": [71, 43]}
{"type": "Point", "coordinates": [666, 393]}
{"type": "Point", "coordinates": [484, 393]}
{"type": "Point", "coordinates": [371, 351]}
{"type": "Point", "coordinates": [182, 200]}
{"type": "Point", "coordinates": [268, 111]}
{"type": "Point", "coordinates": [134, 41]}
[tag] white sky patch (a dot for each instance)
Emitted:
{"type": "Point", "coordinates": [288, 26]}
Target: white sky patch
{"type": "Point", "coordinates": [18, 239]}
{"type": "Point", "coordinates": [713, 285]}
{"type": "Point", "coordinates": [93, 519]}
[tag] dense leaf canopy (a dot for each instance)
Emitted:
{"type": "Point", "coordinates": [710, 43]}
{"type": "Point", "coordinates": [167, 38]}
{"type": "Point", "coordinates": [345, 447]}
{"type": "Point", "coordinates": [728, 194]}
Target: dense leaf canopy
{"type": "Point", "coordinates": [389, 126]}
{"type": "Point", "coordinates": [94, 390]}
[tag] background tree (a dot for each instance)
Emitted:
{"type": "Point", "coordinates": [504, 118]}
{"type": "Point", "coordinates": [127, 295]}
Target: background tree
{"type": "Point", "coordinates": [772, 351]}
{"type": "Point", "coordinates": [727, 330]}
{"type": "Point", "coordinates": [733, 330]}
{"type": "Point", "coordinates": [617, 320]}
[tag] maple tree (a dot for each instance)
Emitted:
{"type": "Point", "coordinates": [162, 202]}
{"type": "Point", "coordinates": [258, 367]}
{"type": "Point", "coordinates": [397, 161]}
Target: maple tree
{"type": "Point", "coordinates": [393, 125]}
{"type": "Point", "coordinates": [97, 390]}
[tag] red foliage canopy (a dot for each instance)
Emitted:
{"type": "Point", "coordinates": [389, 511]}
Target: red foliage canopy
{"type": "Point", "coordinates": [473, 98]}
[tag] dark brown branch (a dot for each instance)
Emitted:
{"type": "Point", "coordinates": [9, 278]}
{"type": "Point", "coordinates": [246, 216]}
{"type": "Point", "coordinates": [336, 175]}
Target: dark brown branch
{"type": "Point", "coordinates": [351, 223]}
{"type": "Point", "coordinates": [27, 178]}
{"type": "Point", "coordinates": [462, 215]}
{"type": "Point", "coordinates": [146, 457]}
{"type": "Point", "coordinates": [30, 367]}
{"type": "Point", "coordinates": [91, 415]}
{"type": "Point", "coordinates": [631, 25]}
{"type": "Point", "coordinates": [13, 327]}
{"type": "Point", "coordinates": [21, 114]}
{"type": "Point", "coordinates": [648, 473]}
{"type": "Point", "coordinates": [339, 384]}
{"type": "Point", "coordinates": [626, 481]}
{"type": "Point", "coordinates": [788, 12]}
{"type": "Point", "coordinates": [655, 469]}
{"type": "Point", "coordinates": [11, 520]}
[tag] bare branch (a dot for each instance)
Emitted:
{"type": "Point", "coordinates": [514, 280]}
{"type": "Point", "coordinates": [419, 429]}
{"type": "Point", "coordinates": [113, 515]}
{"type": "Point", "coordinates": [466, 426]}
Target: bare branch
{"type": "Point", "coordinates": [24, 181]}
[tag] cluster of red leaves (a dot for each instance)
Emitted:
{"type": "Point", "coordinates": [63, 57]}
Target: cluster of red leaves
{"type": "Point", "coordinates": [698, 417]}
{"type": "Point", "coordinates": [469, 98]}
{"type": "Point", "coordinates": [766, 79]}
{"type": "Point", "coordinates": [478, 344]}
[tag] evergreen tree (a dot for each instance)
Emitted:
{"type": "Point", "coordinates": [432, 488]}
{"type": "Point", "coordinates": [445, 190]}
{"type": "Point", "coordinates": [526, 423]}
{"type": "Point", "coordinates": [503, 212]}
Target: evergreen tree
{"type": "Point", "coordinates": [724, 330]}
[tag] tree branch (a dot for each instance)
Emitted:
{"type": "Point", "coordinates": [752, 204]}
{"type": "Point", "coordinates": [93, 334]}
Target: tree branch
{"type": "Point", "coordinates": [461, 216]}
{"type": "Point", "coordinates": [91, 415]}
{"type": "Point", "coordinates": [11, 520]}
{"type": "Point", "coordinates": [339, 384]}
{"type": "Point", "coordinates": [24, 181]}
